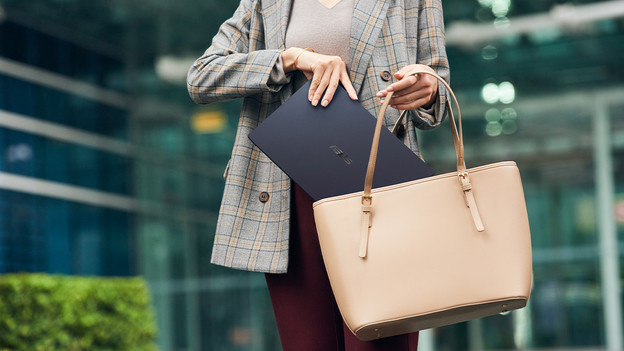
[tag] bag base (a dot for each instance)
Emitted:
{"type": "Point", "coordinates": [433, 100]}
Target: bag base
{"type": "Point", "coordinates": [436, 319]}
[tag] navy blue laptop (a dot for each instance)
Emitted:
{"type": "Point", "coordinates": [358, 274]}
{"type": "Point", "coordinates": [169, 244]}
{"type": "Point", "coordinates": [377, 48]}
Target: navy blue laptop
{"type": "Point", "coordinates": [325, 150]}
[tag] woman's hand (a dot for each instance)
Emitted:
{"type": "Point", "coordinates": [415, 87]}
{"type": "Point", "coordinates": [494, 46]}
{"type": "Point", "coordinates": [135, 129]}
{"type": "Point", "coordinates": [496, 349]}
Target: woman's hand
{"type": "Point", "coordinates": [326, 73]}
{"type": "Point", "coordinates": [414, 91]}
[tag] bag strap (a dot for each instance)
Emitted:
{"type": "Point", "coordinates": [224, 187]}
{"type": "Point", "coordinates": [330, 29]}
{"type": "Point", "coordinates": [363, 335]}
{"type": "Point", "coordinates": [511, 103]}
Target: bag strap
{"type": "Point", "coordinates": [462, 174]}
{"type": "Point", "coordinates": [457, 133]}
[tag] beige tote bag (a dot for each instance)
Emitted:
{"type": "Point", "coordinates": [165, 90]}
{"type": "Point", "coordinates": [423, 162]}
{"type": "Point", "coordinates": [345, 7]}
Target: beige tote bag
{"type": "Point", "coordinates": [429, 252]}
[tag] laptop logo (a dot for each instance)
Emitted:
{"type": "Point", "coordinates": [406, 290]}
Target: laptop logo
{"type": "Point", "coordinates": [341, 154]}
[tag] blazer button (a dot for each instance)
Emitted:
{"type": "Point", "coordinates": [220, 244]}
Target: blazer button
{"type": "Point", "coordinates": [400, 130]}
{"type": "Point", "coordinates": [264, 196]}
{"type": "Point", "coordinates": [386, 76]}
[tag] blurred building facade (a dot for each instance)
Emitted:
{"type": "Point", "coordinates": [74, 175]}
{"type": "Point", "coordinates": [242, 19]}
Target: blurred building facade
{"type": "Point", "coordinates": [107, 168]}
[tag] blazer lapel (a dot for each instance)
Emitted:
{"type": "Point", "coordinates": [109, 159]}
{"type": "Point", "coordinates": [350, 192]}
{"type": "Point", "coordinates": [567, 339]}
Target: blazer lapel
{"type": "Point", "coordinates": [275, 14]}
{"type": "Point", "coordinates": [368, 19]}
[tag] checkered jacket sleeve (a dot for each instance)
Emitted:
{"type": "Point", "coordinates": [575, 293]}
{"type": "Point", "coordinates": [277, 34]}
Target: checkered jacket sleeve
{"type": "Point", "coordinates": [432, 52]}
{"type": "Point", "coordinates": [231, 68]}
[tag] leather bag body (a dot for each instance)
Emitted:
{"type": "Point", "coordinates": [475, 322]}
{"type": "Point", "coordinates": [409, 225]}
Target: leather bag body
{"type": "Point", "coordinates": [428, 252]}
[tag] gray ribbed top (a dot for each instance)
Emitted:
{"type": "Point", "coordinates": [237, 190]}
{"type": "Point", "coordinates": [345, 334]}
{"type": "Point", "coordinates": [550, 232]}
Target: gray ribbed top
{"type": "Point", "coordinates": [325, 30]}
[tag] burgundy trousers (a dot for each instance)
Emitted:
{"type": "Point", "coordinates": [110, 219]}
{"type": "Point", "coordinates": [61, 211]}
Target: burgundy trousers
{"type": "Point", "coordinates": [305, 309]}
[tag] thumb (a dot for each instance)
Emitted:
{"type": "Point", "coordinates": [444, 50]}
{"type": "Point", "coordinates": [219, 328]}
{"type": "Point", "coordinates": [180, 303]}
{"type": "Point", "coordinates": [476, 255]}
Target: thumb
{"type": "Point", "coordinates": [401, 73]}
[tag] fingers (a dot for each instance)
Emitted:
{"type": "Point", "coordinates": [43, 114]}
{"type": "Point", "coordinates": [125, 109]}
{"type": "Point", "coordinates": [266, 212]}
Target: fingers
{"type": "Point", "coordinates": [410, 105]}
{"type": "Point", "coordinates": [418, 95]}
{"type": "Point", "coordinates": [413, 96]}
{"type": "Point", "coordinates": [398, 86]}
{"type": "Point", "coordinates": [346, 82]}
{"type": "Point", "coordinates": [327, 73]}
{"type": "Point", "coordinates": [331, 88]}
{"type": "Point", "coordinates": [402, 75]}
{"type": "Point", "coordinates": [411, 91]}
{"type": "Point", "coordinates": [422, 87]}
{"type": "Point", "coordinates": [405, 96]}
{"type": "Point", "coordinates": [322, 84]}
{"type": "Point", "coordinates": [403, 71]}
{"type": "Point", "coordinates": [410, 102]}
{"type": "Point", "coordinates": [402, 84]}
{"type": "Point", "coordinates": [316, 81]}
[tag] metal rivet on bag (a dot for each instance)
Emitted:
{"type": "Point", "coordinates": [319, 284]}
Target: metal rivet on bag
{"type": "Point", "coordinates": [264, 196]}
{"type": "Point", "coordinates": [385, 75]}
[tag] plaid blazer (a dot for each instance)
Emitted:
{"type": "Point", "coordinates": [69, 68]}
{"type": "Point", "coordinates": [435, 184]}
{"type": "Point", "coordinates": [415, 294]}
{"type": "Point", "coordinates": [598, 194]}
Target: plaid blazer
{"type": "Point", "coordinates": [252, 232]}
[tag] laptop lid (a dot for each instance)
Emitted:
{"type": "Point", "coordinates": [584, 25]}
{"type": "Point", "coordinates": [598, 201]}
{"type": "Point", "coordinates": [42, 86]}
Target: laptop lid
{"type": "Point", "coordinates": [325, 150]}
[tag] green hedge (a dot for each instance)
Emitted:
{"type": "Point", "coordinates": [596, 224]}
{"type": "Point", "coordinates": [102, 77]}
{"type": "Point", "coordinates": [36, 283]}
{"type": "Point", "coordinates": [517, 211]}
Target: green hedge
{"type": "Point", "coordinates": [51, 312]}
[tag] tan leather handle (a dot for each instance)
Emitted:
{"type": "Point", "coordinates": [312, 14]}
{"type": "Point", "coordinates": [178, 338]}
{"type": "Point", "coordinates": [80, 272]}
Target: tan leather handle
{"type": "Point", "coordinates": [462, 174]}
{"type": "Point", "coordinates": [457, 135]}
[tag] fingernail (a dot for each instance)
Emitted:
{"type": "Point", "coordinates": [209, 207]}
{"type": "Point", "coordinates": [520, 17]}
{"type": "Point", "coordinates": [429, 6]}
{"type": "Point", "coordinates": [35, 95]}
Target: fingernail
{"type": "Point", "coordinates": [325, 103]}
{"type": "Point", "coordinates": [310, 98]}
{"type": "Point", "coordinates": [379, 94]}
{"type": "Point", "coordinates": [315, 102]}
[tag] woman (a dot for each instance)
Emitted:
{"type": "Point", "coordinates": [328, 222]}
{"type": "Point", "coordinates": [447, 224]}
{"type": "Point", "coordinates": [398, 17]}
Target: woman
{"type": "Point", "coordinates": [263, 53]}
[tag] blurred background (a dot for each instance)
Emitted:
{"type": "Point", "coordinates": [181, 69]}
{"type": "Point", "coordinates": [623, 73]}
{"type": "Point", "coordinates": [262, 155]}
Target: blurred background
{"type": "Point", "coordinates": [107, 168]}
